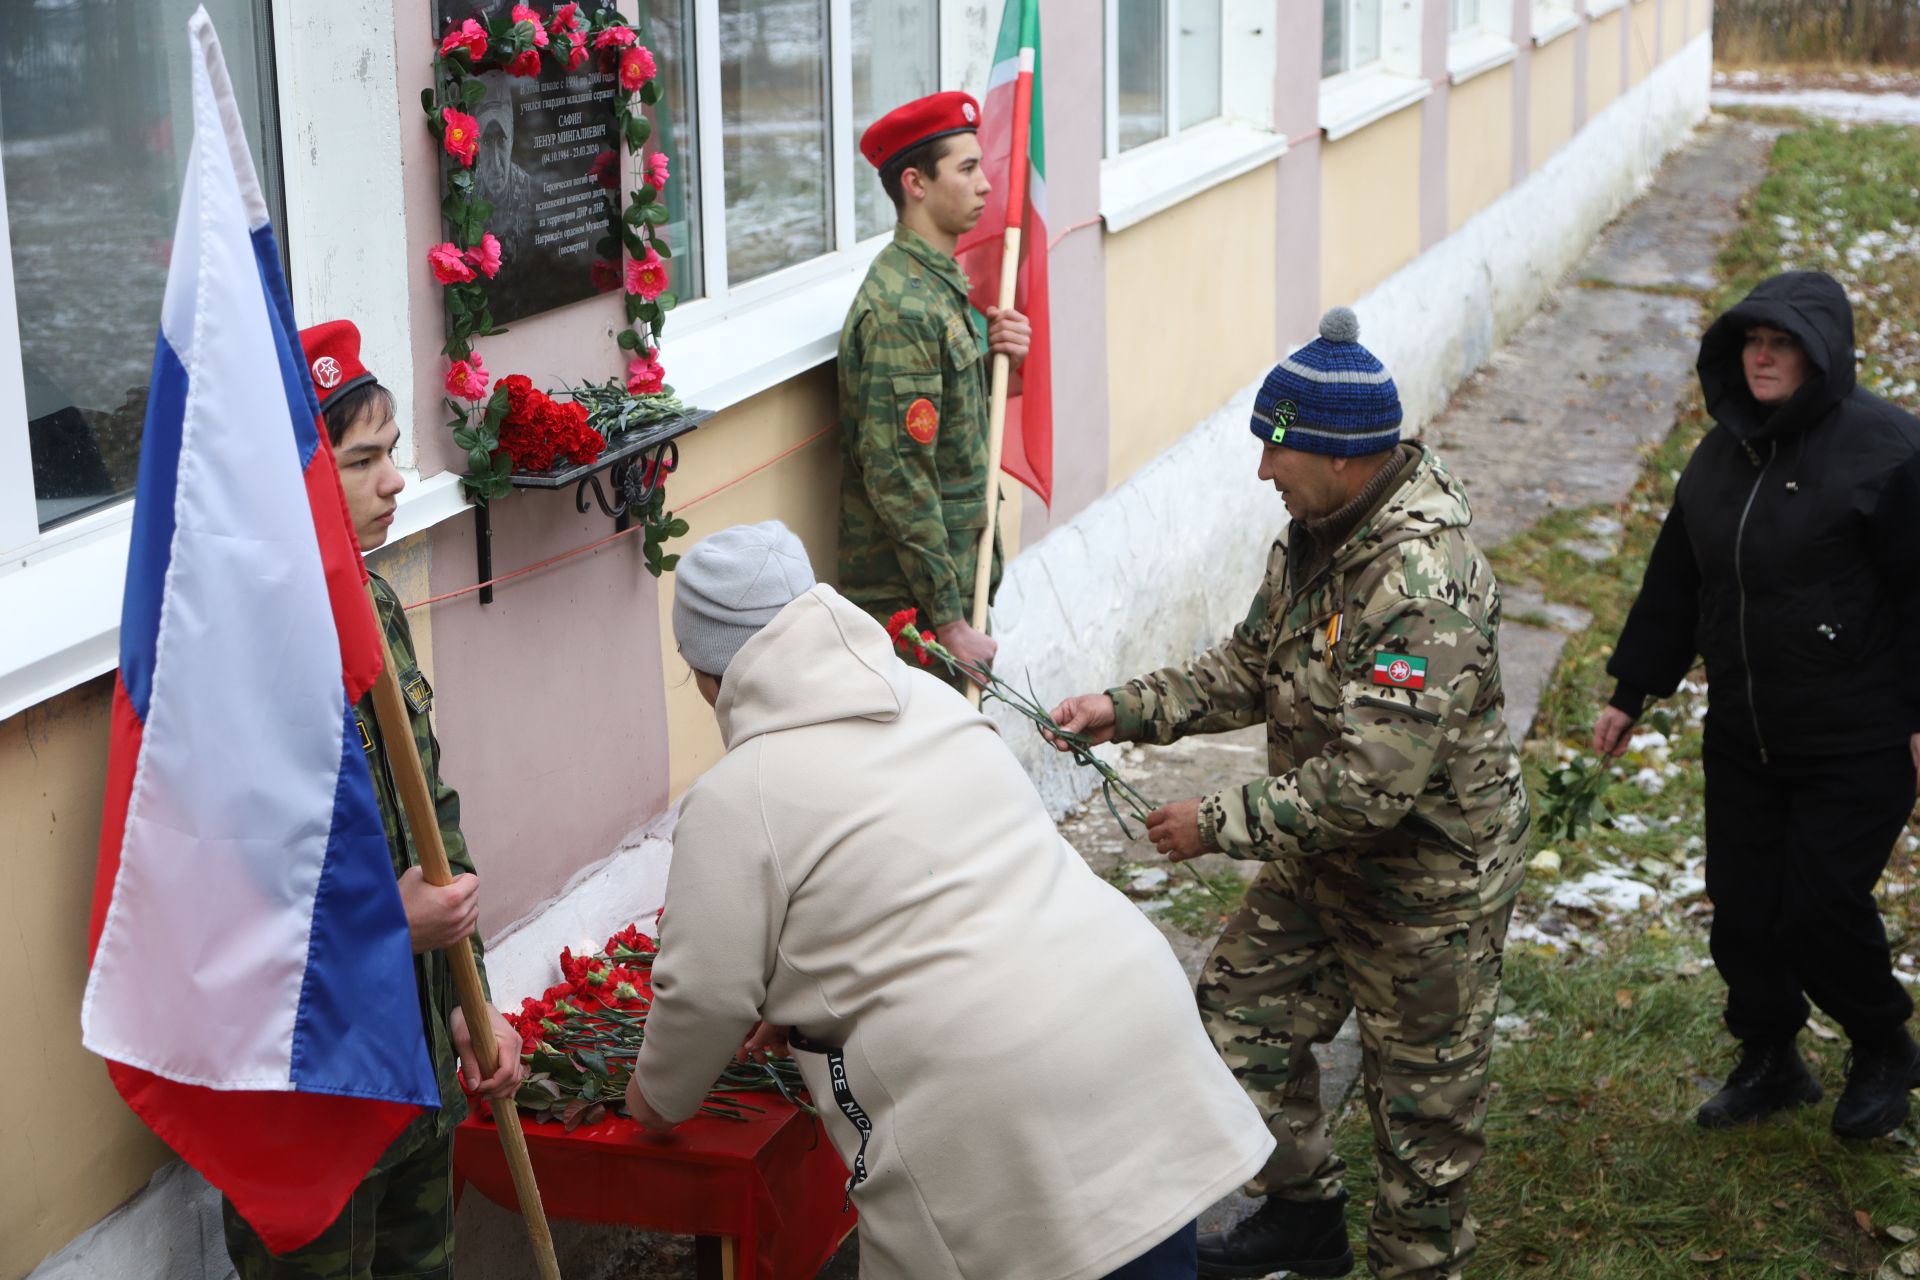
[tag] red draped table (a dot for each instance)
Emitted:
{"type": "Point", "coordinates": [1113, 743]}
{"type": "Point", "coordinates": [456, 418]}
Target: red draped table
{"type": "Point", "coordinates": [769, 1188]}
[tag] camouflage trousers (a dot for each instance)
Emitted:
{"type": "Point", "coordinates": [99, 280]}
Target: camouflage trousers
{"type": "Point", "coordinates": [1290, 966]}
{"type": "Point", "coordinates": [397, 1226]}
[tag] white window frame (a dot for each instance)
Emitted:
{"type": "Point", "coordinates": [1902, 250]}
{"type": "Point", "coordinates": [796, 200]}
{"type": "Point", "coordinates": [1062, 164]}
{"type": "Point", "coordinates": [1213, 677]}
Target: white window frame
{"type": "Point", "coordinates": [1601, 8]}
{"type": "Point", "coordinates": [1359, 96]}
{"type": "Point", "coordinates": [61, 588]}
{"type": "Point", "coordinates": [788, 320]}
{"type": "Point", "coordinates": [1553, 19]}
{"type": "Point", "coordinates": [1482, 46]}
{"type": "Point", "coordinates": [1144, 180]}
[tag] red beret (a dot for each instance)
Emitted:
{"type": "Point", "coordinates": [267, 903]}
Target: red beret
{"type": "Point", "coordinates": [333, 357]}
{"type": "Point", "coordinates": [906, 127]}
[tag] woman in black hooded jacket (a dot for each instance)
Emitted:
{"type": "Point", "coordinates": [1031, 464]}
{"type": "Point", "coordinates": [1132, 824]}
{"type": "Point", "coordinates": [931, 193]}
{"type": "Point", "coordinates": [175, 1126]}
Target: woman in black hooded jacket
{"type": "Point", "coordinates": [1791, 562]}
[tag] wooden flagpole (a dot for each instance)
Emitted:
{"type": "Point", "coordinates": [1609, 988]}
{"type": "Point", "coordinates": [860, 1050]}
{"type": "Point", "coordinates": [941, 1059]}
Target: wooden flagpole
{"type": "Point", "coordinates": [1002, 364]}
{"type": "Point", "coordinates": [403, 757]}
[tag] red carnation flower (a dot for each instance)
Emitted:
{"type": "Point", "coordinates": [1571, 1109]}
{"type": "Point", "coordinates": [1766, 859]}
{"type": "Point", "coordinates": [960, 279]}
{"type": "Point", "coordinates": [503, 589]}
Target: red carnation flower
{"type": "Point", "coordinates": [527, 64]}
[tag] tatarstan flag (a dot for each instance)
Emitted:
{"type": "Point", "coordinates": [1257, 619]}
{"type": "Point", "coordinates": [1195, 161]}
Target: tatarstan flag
{"type": "Point", "coordinates": [1028, 455]}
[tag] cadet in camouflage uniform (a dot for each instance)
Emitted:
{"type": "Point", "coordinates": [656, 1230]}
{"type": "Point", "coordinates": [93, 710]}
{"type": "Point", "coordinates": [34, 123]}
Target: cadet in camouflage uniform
{"type": "Point", "coordinates": [913, 385]}
{"type": "Point", "coordinates": [399, 1221]}
{"type": "Point", "coordinates": [1391, 827]}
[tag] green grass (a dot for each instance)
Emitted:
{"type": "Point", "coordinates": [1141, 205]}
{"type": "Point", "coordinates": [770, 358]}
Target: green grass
{"type": "Point", "coordinates": [1595, 1169]}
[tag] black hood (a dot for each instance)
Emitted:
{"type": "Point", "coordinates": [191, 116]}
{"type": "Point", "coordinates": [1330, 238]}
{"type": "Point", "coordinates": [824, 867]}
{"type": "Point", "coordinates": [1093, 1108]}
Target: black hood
{"type": "Point", "coordinates": [1812, 307]}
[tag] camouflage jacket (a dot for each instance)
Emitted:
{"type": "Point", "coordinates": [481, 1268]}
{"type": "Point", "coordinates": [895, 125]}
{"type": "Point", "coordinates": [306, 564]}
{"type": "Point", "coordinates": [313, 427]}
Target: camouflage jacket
{"type": "Point", "coordinates": [431, 971]}
{"type": "Point", "coordinates": [913, 431]}
{"type": "Point", "coordinates": [1379, 679]}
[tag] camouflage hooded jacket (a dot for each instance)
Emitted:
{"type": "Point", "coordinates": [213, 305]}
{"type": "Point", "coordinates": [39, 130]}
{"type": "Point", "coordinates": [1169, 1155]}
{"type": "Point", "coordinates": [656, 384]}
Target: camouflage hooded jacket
{"type": "Point", "coordinates": [1379, 679]}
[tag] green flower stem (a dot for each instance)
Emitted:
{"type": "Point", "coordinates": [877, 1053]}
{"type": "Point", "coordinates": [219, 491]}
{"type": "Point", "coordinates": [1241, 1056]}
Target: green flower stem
{"type": "Point", "coordinates": [1028, 704]}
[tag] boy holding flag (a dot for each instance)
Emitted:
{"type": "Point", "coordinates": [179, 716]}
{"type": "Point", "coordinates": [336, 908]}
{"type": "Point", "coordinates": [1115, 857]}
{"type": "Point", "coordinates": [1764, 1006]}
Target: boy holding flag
{"type": "Point", "coordinates": [913, 384]}
{"type": "Point", "coordinates": [400, 1218]}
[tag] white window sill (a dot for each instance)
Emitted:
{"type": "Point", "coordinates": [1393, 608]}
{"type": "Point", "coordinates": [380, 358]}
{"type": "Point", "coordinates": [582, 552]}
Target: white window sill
{"type": "Point", "coordinates": [1153, 178]}
{"type": "Point", "coordinates": [1476, 54]}
{"type": "Point", "coordinates": [1352, 101]}
{"type": "Point", "coordinates": [1548, 27]}
{"type": "Point", "coordinates": [1601, 8]}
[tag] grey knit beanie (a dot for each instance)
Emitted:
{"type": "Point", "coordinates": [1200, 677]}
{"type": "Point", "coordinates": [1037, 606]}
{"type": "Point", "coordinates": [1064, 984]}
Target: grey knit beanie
{"type": "Point", "coordinates": [732, 583]}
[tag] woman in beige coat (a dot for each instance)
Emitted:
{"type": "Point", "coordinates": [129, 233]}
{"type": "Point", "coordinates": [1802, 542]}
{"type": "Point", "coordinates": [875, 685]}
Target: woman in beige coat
{"type": "Point", "coordinates": [869, 866]}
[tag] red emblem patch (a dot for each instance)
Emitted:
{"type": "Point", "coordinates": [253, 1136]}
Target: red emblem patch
{"type": "Point", "coordinates": [923, 420]}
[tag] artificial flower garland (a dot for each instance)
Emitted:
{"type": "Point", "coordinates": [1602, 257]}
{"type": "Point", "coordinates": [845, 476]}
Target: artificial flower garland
{"type": "Point", "coordinates": [634, 258]}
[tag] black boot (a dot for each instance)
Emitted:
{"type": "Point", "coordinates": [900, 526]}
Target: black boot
{"type": "Point", "coordinates": [1770, 1077]}
{"type": "Point", "coordinates": [1305, 1238]}
{"type": "Point", "coordinates": [1879, 1073]}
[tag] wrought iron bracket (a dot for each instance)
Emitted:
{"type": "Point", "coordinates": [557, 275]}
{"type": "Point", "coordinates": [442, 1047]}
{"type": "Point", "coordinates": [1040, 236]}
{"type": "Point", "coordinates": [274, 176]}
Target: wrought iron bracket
{"type": "Point", "coordinates": [635, 466]}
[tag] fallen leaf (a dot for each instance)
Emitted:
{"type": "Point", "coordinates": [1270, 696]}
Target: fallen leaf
{"type": "Point", "coordinates": [1865, 1220]}
{"type": "Point", "coordinates": [1704, 1255]}
{"type": "Point", "coordinates": [1909, 1263]}
{"type": "Point", "coordinates": [1903, 1235]}
{"type": "Point", "coordinates": [1623, 999]}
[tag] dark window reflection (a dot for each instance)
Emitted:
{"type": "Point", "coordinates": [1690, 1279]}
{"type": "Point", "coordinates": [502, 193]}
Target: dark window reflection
{"type": "Point", "coordinates": [96, 119]}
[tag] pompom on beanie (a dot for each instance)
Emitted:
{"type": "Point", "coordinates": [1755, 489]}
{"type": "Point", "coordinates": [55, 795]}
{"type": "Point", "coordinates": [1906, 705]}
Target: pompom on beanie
{"type": "Point", "coordinates": [1332, 396]}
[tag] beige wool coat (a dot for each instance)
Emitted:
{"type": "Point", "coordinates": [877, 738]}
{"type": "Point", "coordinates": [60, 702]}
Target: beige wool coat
{"type": "Point", "coordinates": [869, 865]}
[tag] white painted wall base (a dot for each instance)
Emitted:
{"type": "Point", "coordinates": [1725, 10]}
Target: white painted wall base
{"type": "Point", "coordinates": [1152, 573]}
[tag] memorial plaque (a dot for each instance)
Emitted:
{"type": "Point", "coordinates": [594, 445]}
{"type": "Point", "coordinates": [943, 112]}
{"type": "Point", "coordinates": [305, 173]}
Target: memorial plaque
{"type": "Point", "coordinates": [539, 140]}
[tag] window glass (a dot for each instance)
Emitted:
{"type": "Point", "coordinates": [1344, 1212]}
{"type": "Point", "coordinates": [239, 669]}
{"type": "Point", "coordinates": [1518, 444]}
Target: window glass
{"type": "Point", "coordinates": [1465, 15]}
{"type": "Point", "coordinates": [1142, 48]}
{"type": "Point", "coordinates": [1200, 55]}
{"type": "Point", "coordinates": [96, 119]}
{"type": "Point", "coordinates": [896, 58]}
{"type": "Point", "coordinates": [1350, 37]}
{"type": "Point", "coordinates": [669, 35]}
{"type": "Point", "coordinates": [773, 107]}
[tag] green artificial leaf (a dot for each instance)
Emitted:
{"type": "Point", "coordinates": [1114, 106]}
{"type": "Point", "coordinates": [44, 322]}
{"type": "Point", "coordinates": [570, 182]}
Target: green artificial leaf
{"type": "Point", "coordinates": [466, 438]}
{"type": "Point", "coordinates": [654, 213]}
{"type": "Point", "coordinates": [462, 181]}
{"type": "Point", "coordinates": [497, 406]}
{"type": "Point", "coordinates": [427, 103]}
{"type": "Point", "coordinates": [631, 239]}
{"type": "Point", "coordinates": [677, 528]}
{"type": "Point", "coordinates": [479, 460]}
{"type": "Point", "coordinates": [643, 195]}
{"type": "Point", "coordinates": [471, 94]}
{"type": "Point", "coordinates": [628, 340]}
{"type": "Point", "coordinates": [502, 464]}
{"type": "Point", "coordinates": [636, 215]}
{"type": "Point", "coordinates": [661, 247]}
{"type": "Point", "coordinates": [634, 308]}
{"type": "Point", "coordinates": [669, 563]}
{"type": "Point", "coordinates": [481, 210]}
{"type": "Point", "coordinates": [667, 301]}
{"type": "Point", "coordinates": [650, 92]}
{"type": "Point", "coordinates": [454, 208]}
{"type": "Point", "coordinates": [640, 130]}
{"type": "Point", "coordinates": [457, 305]}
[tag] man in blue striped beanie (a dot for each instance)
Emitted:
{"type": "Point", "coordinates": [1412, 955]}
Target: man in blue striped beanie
{"type": "Point", "coordinates": [1329, 415]}
{"type": "Point", "coordinates": [1390, 823]}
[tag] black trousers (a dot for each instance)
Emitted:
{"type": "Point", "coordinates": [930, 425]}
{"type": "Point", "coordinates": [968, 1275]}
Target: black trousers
{"type": "Point", "coordinates": [1794, 849]}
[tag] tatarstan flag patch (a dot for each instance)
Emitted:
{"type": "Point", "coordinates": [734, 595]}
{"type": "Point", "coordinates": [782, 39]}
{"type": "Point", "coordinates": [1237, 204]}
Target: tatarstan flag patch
{"type": "Point", "coordinates": [1399, 671]}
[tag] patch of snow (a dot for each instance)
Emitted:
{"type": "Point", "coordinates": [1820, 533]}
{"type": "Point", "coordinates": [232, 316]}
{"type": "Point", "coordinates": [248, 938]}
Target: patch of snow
{"type": "Point", "coordinates": [1650, 781]}
{"type": "Point", "coordinates": [1830, 104]}
{"type": "Point", "coordinates": [1630, 824]}
{"type": "Point", "coordinates": [1607, 893]}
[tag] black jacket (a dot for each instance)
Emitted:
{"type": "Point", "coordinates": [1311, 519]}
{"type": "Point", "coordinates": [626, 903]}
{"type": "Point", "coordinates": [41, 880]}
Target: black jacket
{"type": "Point", "coordinates": [1791, 558]}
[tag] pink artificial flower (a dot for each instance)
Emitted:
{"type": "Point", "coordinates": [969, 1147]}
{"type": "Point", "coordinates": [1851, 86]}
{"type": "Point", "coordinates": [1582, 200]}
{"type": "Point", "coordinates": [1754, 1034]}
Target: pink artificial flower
{"type": "Point", "coordinates": [657, 170]}
{"type": "Point", "coordinates": [521, 13]}
{"type": "Point", "coordinates": [461, 137]}
{"type": "Point", "coordinates": [565, 18]}
{"type": "Point", "coordinates": [468, 380]}
{"type": "Point", "coordinates": [485, 256]}
{"type": "Point", "coordinates": [605, 275]}
{"type": "Point", "coordinates": [527, 64]}
{"type": "Point", "coordinates": [576, 49]}
{"type": "Point", "coordinates": [469, 38]}
{"type": "Point", "coordinates": [636, 68]}
{"type": "Point", "coordinates": [615, 38]}
{"type": "Point", "coordinates": [647, 276]}
{"type": "Point", "coordinates": [645, 377]}
{"type": "Point", "coordinates": [606, 170]}
{"type": "Point", "coordinates": [449, 264]}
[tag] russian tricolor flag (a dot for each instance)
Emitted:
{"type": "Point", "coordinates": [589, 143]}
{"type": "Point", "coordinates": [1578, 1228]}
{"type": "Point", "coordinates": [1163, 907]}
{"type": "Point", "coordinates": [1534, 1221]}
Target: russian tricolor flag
{"type": "Point", "coordinates": [252, 984]}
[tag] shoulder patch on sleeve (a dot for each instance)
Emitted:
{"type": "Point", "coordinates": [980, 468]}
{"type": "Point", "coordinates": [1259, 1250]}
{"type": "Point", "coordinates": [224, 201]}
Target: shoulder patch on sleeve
{"type": "Point", "coordinates": [923, 420]}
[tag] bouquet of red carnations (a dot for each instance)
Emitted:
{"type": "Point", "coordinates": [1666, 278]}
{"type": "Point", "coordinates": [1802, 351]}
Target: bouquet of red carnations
{"type": "Point", "coordinates": [580, 1038]}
